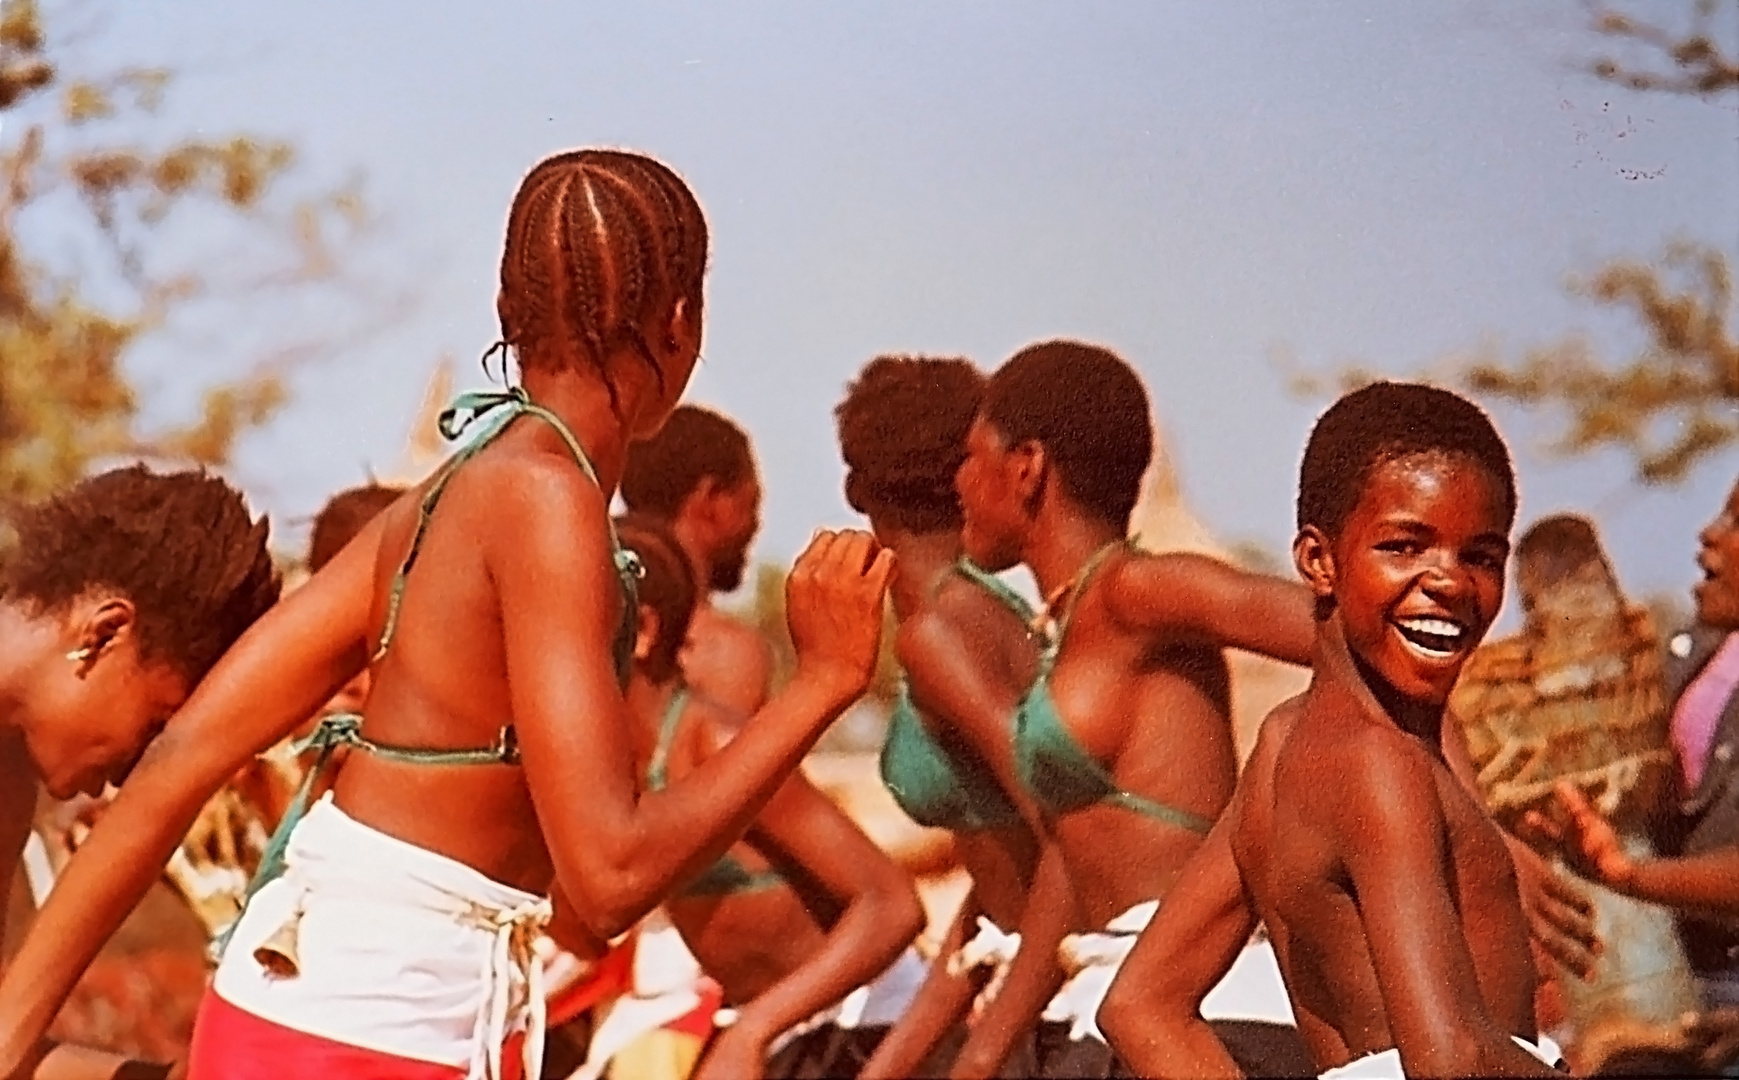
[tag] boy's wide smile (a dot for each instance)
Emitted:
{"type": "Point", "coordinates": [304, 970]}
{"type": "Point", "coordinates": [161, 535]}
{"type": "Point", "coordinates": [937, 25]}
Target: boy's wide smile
{"type": "Point", "coordinates": [1419, 571]}
{"type": "Point", "coordinates": [1433, 637]}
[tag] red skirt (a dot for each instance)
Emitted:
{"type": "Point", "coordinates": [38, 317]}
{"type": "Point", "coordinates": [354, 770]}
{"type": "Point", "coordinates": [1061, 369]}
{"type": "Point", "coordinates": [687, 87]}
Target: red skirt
{"type": "Point", "coordinates": [231, 1044]}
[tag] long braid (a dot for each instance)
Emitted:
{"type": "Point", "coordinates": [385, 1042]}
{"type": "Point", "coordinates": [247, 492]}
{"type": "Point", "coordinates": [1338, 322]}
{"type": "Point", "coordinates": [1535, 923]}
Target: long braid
{"type": "Point", "coordinates": [601, 245]}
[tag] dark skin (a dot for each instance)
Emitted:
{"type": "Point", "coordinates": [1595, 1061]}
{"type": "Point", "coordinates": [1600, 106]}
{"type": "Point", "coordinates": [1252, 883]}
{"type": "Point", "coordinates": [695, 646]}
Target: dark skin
{"type": "Point", "coordinates": [1389, 894]}
{"type": "Point", "coordinates": [509, 616]}
{"type": "Point", "coordinates": [1140, 683]}
{"type": "Point", "coordinates": [72, 723]}
{"type": "Point", "coordinates": [1704, 883]}
{"type": "Point", "coordinates": [725, 659]}
{"type": "Point", "coordinates": [967, 659]}
{"type": "Point", "coordinates": [781, 954]}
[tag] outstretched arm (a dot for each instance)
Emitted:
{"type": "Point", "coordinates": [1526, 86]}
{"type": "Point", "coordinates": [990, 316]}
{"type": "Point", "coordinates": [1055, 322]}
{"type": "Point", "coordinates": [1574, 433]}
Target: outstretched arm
{"type": "Point", "coordinates": [1388, 830]}
{"type": "Point", "coordinates": [618, 851]}
{"type": "Point", "coordinates": [1707, 884]}
{"type": "Point", "coordinates": [276, 675]}
{"type": "Point", "coordinates": [1152, 1014]}
{"type": "Point", "coordinates": [882, 915]}
{"type": "Point", "coordinates": [1197, 596]}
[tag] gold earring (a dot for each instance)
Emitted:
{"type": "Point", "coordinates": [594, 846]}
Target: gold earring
{"type": "Point", "coordinates": [79, 656]}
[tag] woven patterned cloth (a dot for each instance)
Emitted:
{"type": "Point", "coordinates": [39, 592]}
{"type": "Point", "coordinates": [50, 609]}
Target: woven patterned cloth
{"type": "Point", "coordinates": [1586, 703]}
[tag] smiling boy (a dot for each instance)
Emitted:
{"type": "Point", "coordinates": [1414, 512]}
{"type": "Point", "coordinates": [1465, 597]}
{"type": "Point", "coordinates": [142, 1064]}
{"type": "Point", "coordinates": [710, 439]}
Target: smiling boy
{"type": "Point", "coordinates": [1390, 896]}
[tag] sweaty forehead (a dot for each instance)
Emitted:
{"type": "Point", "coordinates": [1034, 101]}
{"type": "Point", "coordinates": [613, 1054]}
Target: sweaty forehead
{"type": "Point", "coordinates": [1434, 486]}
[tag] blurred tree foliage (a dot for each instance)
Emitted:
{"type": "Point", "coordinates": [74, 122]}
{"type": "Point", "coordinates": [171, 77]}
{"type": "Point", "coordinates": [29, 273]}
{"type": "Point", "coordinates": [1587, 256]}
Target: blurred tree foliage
{"type": "Point", "coordinates": [1674, 403]}
{"type": "Point", "coordinates": [101, 244]}
{"type": "Point", "coordinates": [1684, 60]}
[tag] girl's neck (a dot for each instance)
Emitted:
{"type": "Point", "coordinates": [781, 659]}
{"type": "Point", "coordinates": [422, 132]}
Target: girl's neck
{"type": "Point", "coordinates": [1060, 543]}
{"type": "Point", "coordinates": [921, 560]}
{"type": "Point", "coordinates": [582, 401]}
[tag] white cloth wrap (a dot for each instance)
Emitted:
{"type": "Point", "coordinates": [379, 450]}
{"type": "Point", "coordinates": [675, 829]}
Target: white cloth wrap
{"type": "Point", "coordinates": [1251, 990]}
{"type": "Point", "coordinates": [991, 947]}
{"type": "Point", "coordinates": [401, 950]}
{"type": "Point", "coordinates": [1387, 1065]}
{"type": "Point", "coordinates": [1091, 961]}
{"type": "Point", "coordinates": [666, 987]}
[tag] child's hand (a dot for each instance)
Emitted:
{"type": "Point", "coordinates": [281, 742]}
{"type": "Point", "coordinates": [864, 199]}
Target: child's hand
{"type": "Point", "coordinates": [1587, 840]}
{"type": "Point", "coordinates": [833, 604]}
{"type": "Point", "coordinates": [1560, 916]}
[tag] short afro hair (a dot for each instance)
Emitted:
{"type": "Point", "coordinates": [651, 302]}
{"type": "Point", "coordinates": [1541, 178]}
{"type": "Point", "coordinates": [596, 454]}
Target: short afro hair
{"type": "Point", "coordinates": [1557, 546]}
{"type": "Point", "coordinates": [667, 586]}
{"type": "Point", "coordinates": [344, 515]}
{"type": "Point", "coordinates": [1086, 406]}
{"type": "Point", "coordinates": [180, 546]}
{"type": "Point", "coordinates": [1381, 423]}
{"type": "Point", "coordinates": [695, 443]}
{"type": "Point", "coordinates": [902, 432]}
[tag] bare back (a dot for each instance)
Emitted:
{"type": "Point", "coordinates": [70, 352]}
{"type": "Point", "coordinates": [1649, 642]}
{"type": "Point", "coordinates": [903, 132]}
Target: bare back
{"type": "Point", "coordinates": [443, 683]}
{"type": "Point", "coordinates": [1294, 813]}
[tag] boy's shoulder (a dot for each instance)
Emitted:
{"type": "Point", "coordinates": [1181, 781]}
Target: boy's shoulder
{"type": "Point", "coordinates": [1345, 768]}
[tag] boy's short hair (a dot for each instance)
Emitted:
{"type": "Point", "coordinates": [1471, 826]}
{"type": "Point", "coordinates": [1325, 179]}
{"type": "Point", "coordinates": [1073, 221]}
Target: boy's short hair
{"type": "Point", "coordinates": [344, 515]}
{"type": "Point", "coordinates": [1385, 421]}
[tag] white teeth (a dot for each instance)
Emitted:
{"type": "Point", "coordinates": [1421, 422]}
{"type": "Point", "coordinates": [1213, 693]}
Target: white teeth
{"type": "Point", "coordinates": [1436, 627]}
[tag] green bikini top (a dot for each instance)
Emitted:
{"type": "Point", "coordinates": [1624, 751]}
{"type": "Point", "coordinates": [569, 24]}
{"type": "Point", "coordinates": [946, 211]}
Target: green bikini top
{"type": "Point", "coordinates": [728, 876]}
{"type": "Point", "coordinates": [934, 786]}
{"type": "Point", "coordinates": [1060, 775]}
{"type": "Point", "coordinates": [345, 729]}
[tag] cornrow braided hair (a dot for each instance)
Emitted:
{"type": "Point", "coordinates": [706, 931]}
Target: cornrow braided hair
{"type": "Point", "coordinates": [180, 546]}
{"type": "Point", "coordinates": [601, 246]}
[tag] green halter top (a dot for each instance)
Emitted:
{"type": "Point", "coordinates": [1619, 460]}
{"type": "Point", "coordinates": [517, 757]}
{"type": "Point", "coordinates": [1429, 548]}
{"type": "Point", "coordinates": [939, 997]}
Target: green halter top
{"type": "Point", "coordinates": [345, 729]}
{"type": "Point", "coordinates": [934, 786]}
{"type": "Point", "coordinates": [728, 876]}
{"type": "Point", "coordinates": [1060, 775]}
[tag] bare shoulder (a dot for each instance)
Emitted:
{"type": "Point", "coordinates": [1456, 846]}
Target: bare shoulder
{"type": "Point", "coordinates": [530, 499]}
{"type": "Point", "coordinates": [1143, 584]}
{"type": "Point", "coordinates": [1358, 780]}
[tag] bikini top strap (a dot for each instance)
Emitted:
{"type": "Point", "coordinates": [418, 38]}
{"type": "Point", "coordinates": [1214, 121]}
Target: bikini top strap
{"type": "Point", "coordinates": [658, 769]}
{"type": "Point", "coordinates": [1048, 658]}
{"type": "Point", "coordinates": [466, 409]}
{"type": "Point", "coordinates": [996, 587]}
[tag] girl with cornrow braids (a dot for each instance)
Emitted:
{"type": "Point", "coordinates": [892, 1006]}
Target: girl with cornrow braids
{"type": "Point", "coordinates": [491, 789]}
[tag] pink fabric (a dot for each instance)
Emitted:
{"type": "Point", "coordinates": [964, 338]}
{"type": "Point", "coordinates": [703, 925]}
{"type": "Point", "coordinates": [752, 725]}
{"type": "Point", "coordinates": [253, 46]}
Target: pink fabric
{"type": "Point", "coordinates": [1700, 707]}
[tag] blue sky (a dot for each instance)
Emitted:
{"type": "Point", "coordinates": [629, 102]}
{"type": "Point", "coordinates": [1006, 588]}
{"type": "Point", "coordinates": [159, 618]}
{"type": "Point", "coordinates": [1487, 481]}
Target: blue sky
{"type": "Point", "coordinates": [1203, 186]}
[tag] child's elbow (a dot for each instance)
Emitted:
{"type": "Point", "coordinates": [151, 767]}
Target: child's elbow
{"type": "Point", "coordinates": [611, 902]}
{"type": "Point", "coordinates": [1124, 1015]}
{"type": "Point", "coordinates": [908, 912]}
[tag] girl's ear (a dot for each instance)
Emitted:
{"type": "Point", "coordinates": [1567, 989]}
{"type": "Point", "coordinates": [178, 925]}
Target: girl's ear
{"type": "Point", "coordinates": [1313, 556]}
